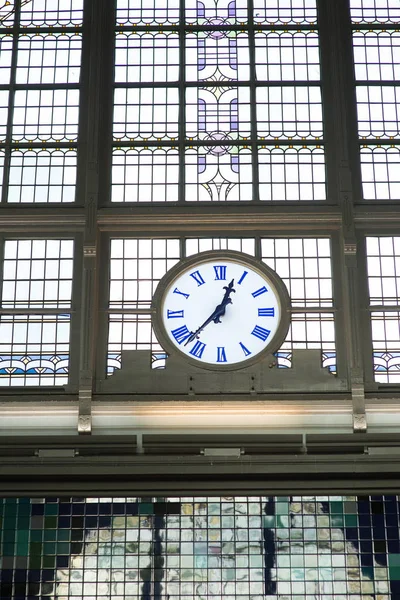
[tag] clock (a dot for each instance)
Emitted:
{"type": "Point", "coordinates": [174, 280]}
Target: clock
{"type": "Point", "coordinates": [221, 310]}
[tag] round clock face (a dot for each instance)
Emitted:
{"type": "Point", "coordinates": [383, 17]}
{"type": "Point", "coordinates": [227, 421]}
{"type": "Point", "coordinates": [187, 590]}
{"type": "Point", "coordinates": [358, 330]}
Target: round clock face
{"type": "Point", "coordinates": [221, 310]}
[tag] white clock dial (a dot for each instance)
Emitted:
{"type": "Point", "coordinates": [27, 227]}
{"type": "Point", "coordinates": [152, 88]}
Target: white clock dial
{"type": "Point", "coordinates": [221, 310]}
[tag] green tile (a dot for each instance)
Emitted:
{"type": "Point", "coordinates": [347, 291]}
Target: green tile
{"type": "Point", "coordinates": [50, 509]}
{"type": "Point", "coordinates": [23, 522]}
{"type": "Point", "coordinates": [50, 535]}
{"type": "Point", "coordinates": [36, 536]}
{"type": "Point", "coordinates": [63, 549]}
{"type": "Point", "coordinates": [63, 535]}
{"type": "Point", "coordinates": [146, 508]}
{"type": "Point", "coordinates": [22, 536]}
{"type": "Point", "coordinates": [394, 573]}
{"type": "Point", "coordinates": [394, 560]}
{"type": "Point", "coordinates": [9, 535]}
{"type": "Point", "coordinates": [336, 507]}
{"type": "Point", "coordinates": [49, 548]}
{"type": "Point", "coordinates": [337, 521]}
{"type": "Point", "coordinates": [8, 549]}
{"type": "Point", "coordinates": [351, 520]}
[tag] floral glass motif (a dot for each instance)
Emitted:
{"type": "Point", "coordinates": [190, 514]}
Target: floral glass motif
{"type": "Point", "coordinates": [190, 81]}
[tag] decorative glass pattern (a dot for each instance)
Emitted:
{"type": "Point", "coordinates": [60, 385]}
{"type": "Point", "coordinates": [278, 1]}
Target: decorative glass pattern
{"type": "Point", "coordinates": [383, 264]}
{"type": "Point", "coordinates": [48, 58]}
{"type": "Point", "coordinates": [35, 320]}
{"type": "Point", "coordinates": [6, 13]}
{"type": "Point", "coordinates": [286, 547]}
{"type": "Point", "coordinates": [380, 169]}
{"type": "Point", "coordinates": [276, 12]}
{"type": "Point", "coordinates": [145, 175]}
{"type": "Point", "coordinates": [376, 62]}
{"type": "Point", "coordinates": [46, 115]}
{"type": "Point", "coordinates": [6, 41]}
{"type": "Point", "coordinates": [377, 55]}
{"type": "Point", "coordinates": [288, 173]}
{"type": "Point", "coordinates": [375, 11]}
{"type": "Point", "coordinates": [40, 64]}
{"type": "Point", "coordinates": [42, 176]}
{"type": "Point", "coordinates": [378, 112]}
{"type": "Point", "coordinates": [51, 13]}
{"type": "Point", "coordinates": [192, 78]}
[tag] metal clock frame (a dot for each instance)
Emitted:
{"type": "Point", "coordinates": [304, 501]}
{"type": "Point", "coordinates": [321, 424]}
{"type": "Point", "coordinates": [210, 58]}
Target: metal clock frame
{"type": "Point", "coordinates": [198, 260]}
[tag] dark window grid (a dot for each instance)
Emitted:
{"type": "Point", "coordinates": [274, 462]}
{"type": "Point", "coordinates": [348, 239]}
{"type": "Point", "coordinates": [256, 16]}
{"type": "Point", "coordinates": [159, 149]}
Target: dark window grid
{"type": "Point", "coordinates": [45, 115]}
{"type": "Point", "coordinates": [272, 13]}
{"type": "Point", "coordinates": [34, 329]}
{"type": "Point", "coordinates": [42, 176]}
{"type": "Point", "coordinates": [310, 331]}
{"type": "Point", "coordinates": [304, 264]}
{"type": "Point", "coordinates": [292, 173]}
{"type": "Point", "coordinates": [52, 59]}
{"type": "Point", "coordinates": [376, 55]}
{"type": "Point", "coordinates": [152, 114]}
{"type": "Point", "coordinates": [155, 57]}
{"type": "Point", "coordinates": [380, 172]}
{"type": "Point", "coordinates": [49, 13]}
{"type": "Point", "coordinates": [385, 327]}
{"type": "Point", "coordinates": [378, 110]}
{"type": "Point", "coordinates": [34, 349]}
{"type": "Point", "coordinates": [6, 40]}
{"type": "Point", "coordinates": [37, 274]}
{"type": "Point", "coordinates": [377, 11]}
{"type": "Point", "coordinates": [383, 267]}
{"type": "Point", "coordinates": [223, 172]}
{"type": "Point", "coordinates": [3, 114]}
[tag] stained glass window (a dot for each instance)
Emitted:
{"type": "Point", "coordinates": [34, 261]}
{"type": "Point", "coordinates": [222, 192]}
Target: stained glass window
{"type": "Point", "coordinates": [376, 46]}
{"type": "Point", "coordinates": [383, 261]}
{"type": "Point", "coordinates": [40, 69]}
{"type": "Point", "coordinates": [211, 96]}
{"type": "Point", "coordinates": [36, 306]}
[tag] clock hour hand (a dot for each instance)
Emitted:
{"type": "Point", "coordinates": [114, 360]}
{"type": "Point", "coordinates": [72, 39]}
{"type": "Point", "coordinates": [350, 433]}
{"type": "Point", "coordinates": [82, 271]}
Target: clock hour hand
{"type": "Point", "coordinates": [217, 314]}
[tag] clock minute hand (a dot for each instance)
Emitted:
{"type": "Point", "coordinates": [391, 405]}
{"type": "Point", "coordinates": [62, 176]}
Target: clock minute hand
{"type": "Point", "coordinates": [216, 315]}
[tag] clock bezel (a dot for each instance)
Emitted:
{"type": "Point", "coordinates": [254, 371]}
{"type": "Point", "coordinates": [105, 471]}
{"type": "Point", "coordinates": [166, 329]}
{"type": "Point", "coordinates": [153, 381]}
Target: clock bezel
{"type": "Point", "coordinates": [219, 255]}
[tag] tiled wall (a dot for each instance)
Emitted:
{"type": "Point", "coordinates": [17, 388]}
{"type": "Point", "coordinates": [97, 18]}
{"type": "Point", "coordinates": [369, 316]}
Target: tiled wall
{"type": "Point", "coordinates": [242, 548]}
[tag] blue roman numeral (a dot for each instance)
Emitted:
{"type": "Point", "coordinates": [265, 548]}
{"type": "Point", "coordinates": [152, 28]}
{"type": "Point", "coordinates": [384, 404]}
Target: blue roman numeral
{"type": "Point", "coordinates": [176, 291]}
{"type": "Point", "coordinates": [266, 312]}
{"type": "Point", "coordinates": [197, 277]}
{"type": "Point", "coordinates": [242, 277]}
{"type": "Point", "coordinates": [181, 334]}
{"type": "Point", "coordinates": [259, 292]}
{"type": "Point", "coordinates": [198, 349]}
{"type": "Point", "coordinates": [175, 314]}
{"type": "Point", "coordinates": [221, 356]}
{"type": "Point", "coordinates": [260, 332]}
{"type": "Point", "coordinates": [245, 350]}
{"type": "Point", "coordinates": [220, 271]}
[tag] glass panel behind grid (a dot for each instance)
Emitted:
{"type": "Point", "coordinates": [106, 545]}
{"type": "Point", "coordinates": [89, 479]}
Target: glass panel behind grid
{"type": "Point", "coordinates": [383, 265]}
{"type": "Point", "coordinates": [34, 346]}
{"type": "Point", "coordinates": [192, 548]}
